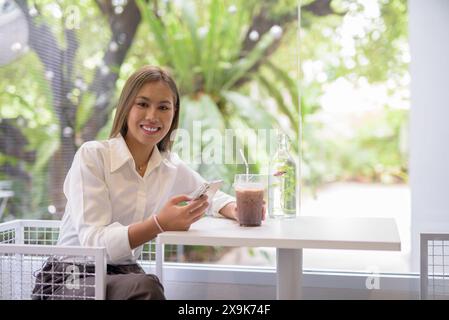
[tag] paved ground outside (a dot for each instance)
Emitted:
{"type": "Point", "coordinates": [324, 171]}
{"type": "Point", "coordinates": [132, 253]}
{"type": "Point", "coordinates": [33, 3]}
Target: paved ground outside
{"type": "Point", "coordinates": [346, 200]}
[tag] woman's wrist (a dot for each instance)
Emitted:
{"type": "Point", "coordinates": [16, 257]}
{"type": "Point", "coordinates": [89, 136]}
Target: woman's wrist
{"type": "Point", "coordinates": [229, 210]}
{"type": "Point", "coordinates": [142, 232]}
{"type": "Point", "coordinates": [158, 224]}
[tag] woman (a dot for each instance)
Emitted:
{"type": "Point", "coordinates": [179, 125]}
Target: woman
{"type": "Point", "coordinates": [123, 192]}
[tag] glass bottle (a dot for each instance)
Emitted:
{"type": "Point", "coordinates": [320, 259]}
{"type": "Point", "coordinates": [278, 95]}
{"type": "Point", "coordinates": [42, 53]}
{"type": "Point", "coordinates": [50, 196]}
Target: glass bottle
{"type": "Point", "coordinates": [282, 182]}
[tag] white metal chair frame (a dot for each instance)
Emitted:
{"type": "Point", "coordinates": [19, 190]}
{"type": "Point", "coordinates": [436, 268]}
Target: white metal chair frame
{"type": "Point", "coordinates": [14, 244]}
{"type": "Point", "coordinates": [425, 239]}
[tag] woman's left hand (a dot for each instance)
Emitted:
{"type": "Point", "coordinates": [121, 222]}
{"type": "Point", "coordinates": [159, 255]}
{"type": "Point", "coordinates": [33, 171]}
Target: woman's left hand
{"type": "Point", "coordinates": [230, 210]}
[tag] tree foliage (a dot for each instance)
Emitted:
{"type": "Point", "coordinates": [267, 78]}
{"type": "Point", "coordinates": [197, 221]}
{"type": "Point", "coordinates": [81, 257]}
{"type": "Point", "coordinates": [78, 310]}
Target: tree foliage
{"type": "Point", "coordinates": [236, 63]}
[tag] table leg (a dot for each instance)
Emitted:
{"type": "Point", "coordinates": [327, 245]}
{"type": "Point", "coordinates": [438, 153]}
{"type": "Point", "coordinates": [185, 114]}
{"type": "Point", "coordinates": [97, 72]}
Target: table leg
{"type": "Point", "coordinates": [289, 274]}
{"type": "Point", "coordinates": [159, 260]}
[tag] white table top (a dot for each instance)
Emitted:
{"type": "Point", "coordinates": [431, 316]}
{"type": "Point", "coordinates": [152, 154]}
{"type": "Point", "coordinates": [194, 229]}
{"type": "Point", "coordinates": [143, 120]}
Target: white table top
{"type": "Point", "coordinates": [302, 232]}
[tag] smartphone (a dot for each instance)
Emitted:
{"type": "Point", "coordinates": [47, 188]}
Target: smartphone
{"type": "Point", "coordinates": [207, 188]}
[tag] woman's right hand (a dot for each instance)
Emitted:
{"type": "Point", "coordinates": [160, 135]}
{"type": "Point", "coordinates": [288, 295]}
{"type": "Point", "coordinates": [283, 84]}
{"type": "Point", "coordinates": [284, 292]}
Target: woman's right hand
{"type": "Point", "coordinates": [175, 217]}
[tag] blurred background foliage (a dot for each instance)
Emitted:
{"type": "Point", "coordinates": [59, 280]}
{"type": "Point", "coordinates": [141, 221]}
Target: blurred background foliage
{"type": "Point", "coordinates": [237, 65]}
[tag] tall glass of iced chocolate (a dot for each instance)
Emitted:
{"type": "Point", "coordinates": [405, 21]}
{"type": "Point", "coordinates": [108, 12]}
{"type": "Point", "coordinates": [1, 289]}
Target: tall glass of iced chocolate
{"type": "Point", "coordinates": [249, 191]}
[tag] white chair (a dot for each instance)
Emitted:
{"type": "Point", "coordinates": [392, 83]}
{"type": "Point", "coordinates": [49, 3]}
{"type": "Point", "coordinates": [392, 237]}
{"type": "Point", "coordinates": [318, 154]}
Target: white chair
{"type": "Point", "coordinates": [25, 246]}
{"type": "Point", "coordinates": [434, 271]}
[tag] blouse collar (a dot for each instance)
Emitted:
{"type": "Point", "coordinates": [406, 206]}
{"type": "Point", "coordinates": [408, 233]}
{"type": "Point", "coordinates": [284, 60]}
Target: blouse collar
{"type": "Point", "coordinates": [120, 154]}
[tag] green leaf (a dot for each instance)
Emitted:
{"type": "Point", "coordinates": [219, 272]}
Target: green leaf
{"type": "Point", "coordinates": [290, 84]}
{"type": "Point", "coordinates": [189, 16]}
{"type": "Point", "coordinates": [84, 110]}
{"type": "Point", "coordinates": [202, 109]}
{"type": "Point", "coordinates": [280, 101]}
{"type": "Point", "coordinates": [241, 68]}
{"type": "Point", "coordinates": [43, 154]}
{"type": "Point", "coordinates": [158, 30]}
{"type": "Point", "coordinates": [250, 110]}
{"type": "Point", "coordinates": [211, 56]}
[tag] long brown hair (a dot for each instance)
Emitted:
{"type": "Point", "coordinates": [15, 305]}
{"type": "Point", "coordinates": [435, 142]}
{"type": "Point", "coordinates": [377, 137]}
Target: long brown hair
{"type": "Point", "coordinates": [129, 92]}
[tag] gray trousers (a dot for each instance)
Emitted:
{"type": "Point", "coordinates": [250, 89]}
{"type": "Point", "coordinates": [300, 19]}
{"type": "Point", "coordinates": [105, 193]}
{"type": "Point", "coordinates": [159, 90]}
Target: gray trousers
{"type": "Point", "coordinates": [56, 281]}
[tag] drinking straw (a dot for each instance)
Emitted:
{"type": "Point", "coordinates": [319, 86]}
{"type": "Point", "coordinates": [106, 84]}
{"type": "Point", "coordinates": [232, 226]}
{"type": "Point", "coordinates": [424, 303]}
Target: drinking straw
{"type": "Point", "coordinates": [246, 164]}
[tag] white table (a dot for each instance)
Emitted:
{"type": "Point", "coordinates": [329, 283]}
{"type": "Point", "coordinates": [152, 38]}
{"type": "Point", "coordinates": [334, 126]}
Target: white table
{"type": "Point", "coordinates": [289, 237]}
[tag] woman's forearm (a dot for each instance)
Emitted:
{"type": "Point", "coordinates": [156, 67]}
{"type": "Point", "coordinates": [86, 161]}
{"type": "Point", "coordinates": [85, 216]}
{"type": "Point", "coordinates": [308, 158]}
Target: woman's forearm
{"type": "Point", "coordinates": [142, 232]}
{"type": "Point", "coordinates": [228, 211]}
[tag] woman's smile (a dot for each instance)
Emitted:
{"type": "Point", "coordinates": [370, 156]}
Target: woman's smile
{"type": "Point", "coordinates": [151, 130]}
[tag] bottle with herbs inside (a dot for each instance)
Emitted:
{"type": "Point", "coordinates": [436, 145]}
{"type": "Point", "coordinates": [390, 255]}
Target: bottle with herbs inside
{"type": "Point", "coordinates": [283, 189]}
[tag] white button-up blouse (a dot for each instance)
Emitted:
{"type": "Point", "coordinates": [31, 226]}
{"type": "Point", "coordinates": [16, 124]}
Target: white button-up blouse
{"type": "Point", "coordinates": [105, 194]}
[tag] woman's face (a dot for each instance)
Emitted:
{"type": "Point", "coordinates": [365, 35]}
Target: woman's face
{"type": "Point", "coordinates": [151, 114]}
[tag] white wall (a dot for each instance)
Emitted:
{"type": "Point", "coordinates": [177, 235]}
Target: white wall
{"type": "Point", "coordinates": [429, 118]}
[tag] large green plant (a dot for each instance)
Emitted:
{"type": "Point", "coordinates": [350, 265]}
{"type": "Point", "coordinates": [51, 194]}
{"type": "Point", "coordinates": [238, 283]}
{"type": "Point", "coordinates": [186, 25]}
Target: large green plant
{"type": "Point", "coordinates": [203, 42]}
